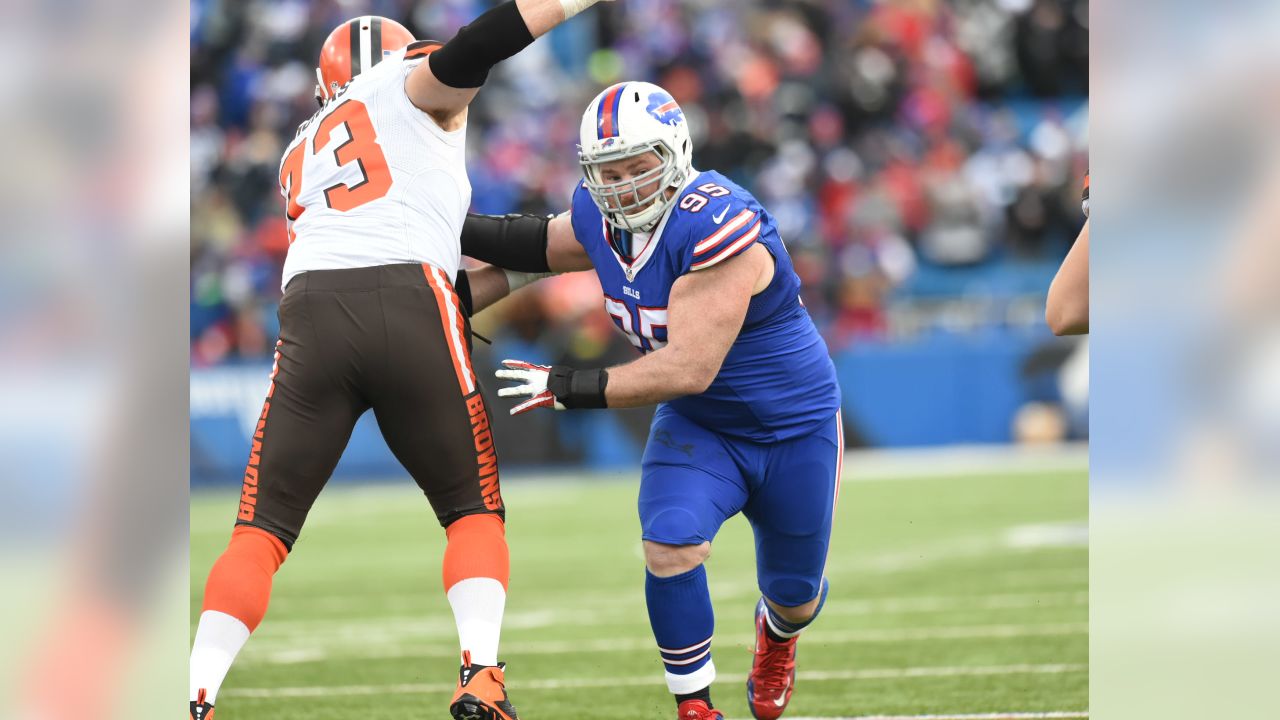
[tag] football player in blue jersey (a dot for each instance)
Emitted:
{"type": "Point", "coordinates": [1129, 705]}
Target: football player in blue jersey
{"type": "Point", "coordinates": [696, 276]}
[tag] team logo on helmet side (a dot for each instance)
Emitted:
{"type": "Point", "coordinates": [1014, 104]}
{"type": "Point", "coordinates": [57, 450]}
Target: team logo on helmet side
{"type": "Point", "coordinates": [663, 108]}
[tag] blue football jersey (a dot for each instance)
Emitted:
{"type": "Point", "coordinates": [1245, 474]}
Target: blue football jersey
{"type": "Point", "coordinates": [777, 381]}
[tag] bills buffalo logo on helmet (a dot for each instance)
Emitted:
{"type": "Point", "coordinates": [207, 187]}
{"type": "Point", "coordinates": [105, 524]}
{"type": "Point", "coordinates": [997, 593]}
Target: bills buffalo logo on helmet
{"type": "Point", "coordinates": [664, 109]}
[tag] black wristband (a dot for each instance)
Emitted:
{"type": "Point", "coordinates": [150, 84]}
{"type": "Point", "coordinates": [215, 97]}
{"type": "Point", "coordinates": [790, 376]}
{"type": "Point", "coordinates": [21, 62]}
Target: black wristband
{"type": "Point", "coordinates": [578, 389]}
{"type": "Point", "coordinates": [514, 242]}
{"type": "Point", "coordinates": [465, 60]}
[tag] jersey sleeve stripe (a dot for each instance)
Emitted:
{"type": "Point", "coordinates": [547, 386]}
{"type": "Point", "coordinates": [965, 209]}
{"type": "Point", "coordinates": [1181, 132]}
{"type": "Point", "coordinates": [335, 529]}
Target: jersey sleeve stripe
{"type": "Point", "coordinates": [731, 239]}
{"type": "Point", "coordinates": [714, 238]}
{"type": "Point", "coordinates": [421, 48]}
{"type": "Point", "coordinates": [733, 249]}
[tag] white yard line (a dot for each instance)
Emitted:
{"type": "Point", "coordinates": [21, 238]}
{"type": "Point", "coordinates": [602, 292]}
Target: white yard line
{"type": "Point", "coordinates": [657, 681]}
{"type": "Point", "coordinates": [953, 603]}
{"type": "Point", "coordinates": [626, 605]}
{"type": "Point", "coordinates": [290, 635]}
{"type": "Point", "coordinates": [368, 651]}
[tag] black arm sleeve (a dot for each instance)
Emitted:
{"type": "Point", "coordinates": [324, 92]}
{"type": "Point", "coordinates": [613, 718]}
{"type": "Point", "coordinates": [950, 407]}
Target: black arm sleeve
{"type": "Point", "coordinates": [464, 61]}
{"type": "Point", "coordinates": [513, 242]}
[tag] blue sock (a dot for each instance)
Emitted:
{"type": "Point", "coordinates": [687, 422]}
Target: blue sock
{"type": "Point", "coordinates": [682, 620]}
{"type": "Point", "coordinates": [780, 629]}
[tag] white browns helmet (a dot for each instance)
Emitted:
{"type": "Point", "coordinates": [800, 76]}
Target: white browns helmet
{"type": "Point", "coordinates": [626, 120]}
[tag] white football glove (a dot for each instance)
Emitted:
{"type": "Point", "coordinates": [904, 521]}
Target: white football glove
{"type": "Point", "coordinates": [534, 378]}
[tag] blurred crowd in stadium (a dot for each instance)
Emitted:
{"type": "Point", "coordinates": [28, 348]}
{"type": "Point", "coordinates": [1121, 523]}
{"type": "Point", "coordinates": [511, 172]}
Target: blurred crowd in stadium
{"type": "Point", "coordinates": [923, 157]}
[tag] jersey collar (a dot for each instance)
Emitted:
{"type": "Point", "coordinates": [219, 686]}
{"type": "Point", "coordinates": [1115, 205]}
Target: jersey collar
{"type": "Point", "coordinates": [633, 267]}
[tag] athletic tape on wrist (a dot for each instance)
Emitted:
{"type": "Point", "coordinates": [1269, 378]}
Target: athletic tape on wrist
{"type": "Point", "coordinates": [517, 279]}
{"type": "Point", "coordinates": [573, 7]}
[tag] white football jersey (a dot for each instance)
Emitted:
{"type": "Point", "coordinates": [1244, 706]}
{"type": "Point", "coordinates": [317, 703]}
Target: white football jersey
{"type": "Point", "coordinates": [371, 180]}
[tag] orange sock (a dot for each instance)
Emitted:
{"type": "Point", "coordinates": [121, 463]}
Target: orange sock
{"type": "Point", "coordinates": [477, 548]}
{"type": "Point", "coordinates": [476, 567]}
{"type": "Point", "coordinates": [240, 582]}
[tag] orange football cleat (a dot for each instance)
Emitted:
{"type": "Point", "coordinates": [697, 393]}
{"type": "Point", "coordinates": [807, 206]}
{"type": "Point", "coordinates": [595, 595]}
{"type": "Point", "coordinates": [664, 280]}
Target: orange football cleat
{"type": "Point", "coordinates": [481, 693]}
{"type": "Point", "coordinates": [201, 710]}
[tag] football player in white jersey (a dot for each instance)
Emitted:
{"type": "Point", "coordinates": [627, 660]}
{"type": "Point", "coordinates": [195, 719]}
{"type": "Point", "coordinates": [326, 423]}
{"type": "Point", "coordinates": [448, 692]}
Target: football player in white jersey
{"type": "Point", "coordinates": [376, 193]}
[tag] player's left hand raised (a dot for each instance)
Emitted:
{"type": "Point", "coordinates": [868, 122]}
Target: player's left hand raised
{"type": "Point", "coordinates": [534, 379]}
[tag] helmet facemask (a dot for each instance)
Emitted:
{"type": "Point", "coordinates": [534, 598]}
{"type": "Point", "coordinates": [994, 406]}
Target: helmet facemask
{"type": "Point", "coordinates": [644, 211]}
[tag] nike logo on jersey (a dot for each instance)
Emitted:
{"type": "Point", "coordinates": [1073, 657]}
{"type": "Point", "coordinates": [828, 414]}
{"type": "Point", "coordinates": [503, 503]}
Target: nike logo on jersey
{"type": "Point", "coordinates": [720, 217]}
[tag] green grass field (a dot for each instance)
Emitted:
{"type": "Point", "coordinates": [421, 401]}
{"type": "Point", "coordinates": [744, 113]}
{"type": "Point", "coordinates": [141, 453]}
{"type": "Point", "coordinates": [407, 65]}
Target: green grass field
{"type": "Point", "coordinates": [950, 596]}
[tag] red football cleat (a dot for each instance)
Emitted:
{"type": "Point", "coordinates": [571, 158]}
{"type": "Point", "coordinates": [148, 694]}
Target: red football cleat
{"type": "Point", "coordinates": [697, 710]}
{"type": "Point", "coordinates": [773, 672]}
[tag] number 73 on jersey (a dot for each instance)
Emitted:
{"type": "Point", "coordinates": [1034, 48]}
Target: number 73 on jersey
{"type": "Point", "coordinates": [361, 148]}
